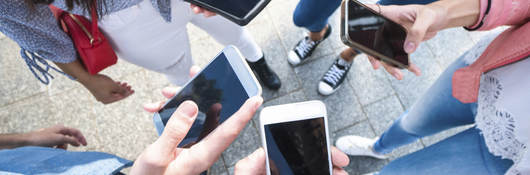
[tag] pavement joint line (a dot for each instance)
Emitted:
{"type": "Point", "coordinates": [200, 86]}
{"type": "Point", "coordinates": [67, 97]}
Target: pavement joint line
{"type": "Point", "coordinates": [348, 126]}
{"type": "Point", "coordinates": [379, 100]}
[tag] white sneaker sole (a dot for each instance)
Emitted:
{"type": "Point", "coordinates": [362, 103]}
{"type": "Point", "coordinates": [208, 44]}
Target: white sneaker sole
{"type": "Point", "coordinates": [344, 144]}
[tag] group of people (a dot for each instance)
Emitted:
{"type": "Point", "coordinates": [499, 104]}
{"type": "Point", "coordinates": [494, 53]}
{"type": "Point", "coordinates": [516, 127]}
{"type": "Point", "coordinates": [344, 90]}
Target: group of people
{"type": "Point", "coordinates": [486, 86]}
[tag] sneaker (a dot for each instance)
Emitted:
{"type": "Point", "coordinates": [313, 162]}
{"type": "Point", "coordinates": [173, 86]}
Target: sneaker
{"type": "Point", "coordinates": [334, 77]}
{"type": "Point", "coordinates": [265, 74]}
{"type": "Point", "coordinates": [358, 146]}
{"type": "Point", "coordinates": [304, 48]}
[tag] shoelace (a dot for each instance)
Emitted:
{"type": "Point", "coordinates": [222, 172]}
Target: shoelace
{"type": "Point", "coordinates": [305, 46]}
{"type": "Point", "coordinates": [334, 74]}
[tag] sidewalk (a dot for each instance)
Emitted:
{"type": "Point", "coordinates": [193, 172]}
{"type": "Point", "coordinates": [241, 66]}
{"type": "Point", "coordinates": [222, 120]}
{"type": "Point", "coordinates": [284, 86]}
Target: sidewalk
{"type": "Point", "coordinates": [365, 105]}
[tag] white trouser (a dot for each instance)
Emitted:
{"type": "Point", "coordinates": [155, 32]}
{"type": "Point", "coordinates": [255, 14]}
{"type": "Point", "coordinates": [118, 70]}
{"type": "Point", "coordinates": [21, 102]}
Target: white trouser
{"type": "Point", "coordinates": [141, 36]}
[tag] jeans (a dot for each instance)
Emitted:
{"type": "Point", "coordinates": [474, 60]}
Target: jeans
{"type": "Point", "coordinates": [314, 14]}
{"type": "Point", "coordinates": [437, 110]}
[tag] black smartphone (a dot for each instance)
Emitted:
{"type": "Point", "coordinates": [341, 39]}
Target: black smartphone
{"type": "Point", "coordinates": [238, 11]}
{"type": "Point", "coordinates": [219, 90]}
{"type": "Point", "coordinates": [374, 34]}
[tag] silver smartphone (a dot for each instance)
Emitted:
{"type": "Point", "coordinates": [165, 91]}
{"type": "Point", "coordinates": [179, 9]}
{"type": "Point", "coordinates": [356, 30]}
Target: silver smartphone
{"type": "Point", "coordinates": [219, 90]}
{"type": "Point", "coordinates": [295, 138]}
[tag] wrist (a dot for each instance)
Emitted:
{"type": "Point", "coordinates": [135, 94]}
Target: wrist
{"type": "Point", "coordinates": [458, 13]}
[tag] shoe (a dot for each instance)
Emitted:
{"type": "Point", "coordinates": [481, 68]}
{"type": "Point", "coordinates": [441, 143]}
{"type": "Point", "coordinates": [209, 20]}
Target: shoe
{"type": "Point", "coordinates": [334, 77]}
{"type": "Point", "coordinates": [358, 146]}
{"type": "Point", "coordinates": [304, 48]}
{"type": "Point", "coordinates": [265, 74]}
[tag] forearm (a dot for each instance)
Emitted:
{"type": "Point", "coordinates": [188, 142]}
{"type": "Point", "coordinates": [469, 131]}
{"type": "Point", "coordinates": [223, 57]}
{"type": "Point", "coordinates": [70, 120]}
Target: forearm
{"type": "Point", "coordinates": [9, 141]}
{"type": "Point", "coordinates": [76, 70]}
{"type": "Point", "coordinates": [459, 13]}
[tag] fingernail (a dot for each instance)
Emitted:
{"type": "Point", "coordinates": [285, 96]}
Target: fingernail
{"type": "Point", "coordinates": [409, 47]}
{"type": "Point", "coordinates": [258, 102]}
{"type": "Point", "coordinates": [397, 76]}
{"type": "Point", "coordinates": [188, 108]}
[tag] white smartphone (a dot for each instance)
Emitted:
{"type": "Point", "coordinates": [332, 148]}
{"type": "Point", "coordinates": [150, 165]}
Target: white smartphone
{"type": "Point", "coordinates": [295, 138]}
{"type": "Point", "coordinates": [219, 90]}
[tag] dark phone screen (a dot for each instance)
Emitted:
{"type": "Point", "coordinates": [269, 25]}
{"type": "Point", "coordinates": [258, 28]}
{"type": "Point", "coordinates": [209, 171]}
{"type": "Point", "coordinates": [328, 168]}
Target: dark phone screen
{"type": "Point", "coordinates": [297, 147]}
{"type": "Point", "coordinates": [218, 93]}
{"type": "Point", "coordinates": [238, 8]}
{"type": "Point", "coordinates": [376, 33]}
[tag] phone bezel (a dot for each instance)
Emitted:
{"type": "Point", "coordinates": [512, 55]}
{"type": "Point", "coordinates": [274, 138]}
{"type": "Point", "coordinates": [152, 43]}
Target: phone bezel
{"type": "Point", "coordinates": [240, 21]}
{"type": "Point", "coordinates": [294, 112]}
{"type": "Point", "coordinates": [345, 36]}
{"type": "Point", "coordinates": [242, 71]}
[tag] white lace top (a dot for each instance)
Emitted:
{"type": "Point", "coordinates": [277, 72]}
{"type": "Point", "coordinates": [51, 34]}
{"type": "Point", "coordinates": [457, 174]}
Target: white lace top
{"type": "Point", "coordinates": [503, 113]}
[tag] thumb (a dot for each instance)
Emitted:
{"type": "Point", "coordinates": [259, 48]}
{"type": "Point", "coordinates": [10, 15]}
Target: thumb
{"type": "Point", "coordinates": [416, 33]}
{"type": "Point", "coordinates": [252, 164]}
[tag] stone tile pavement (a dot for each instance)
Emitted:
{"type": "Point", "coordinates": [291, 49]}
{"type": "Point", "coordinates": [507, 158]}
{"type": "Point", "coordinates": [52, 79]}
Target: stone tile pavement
{"type": "Point", "coordinates": [367, 103]}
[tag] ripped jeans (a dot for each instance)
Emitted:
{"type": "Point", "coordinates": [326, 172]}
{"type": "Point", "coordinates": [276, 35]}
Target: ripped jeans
{"type": "Point", "coordinates": [437, 110]}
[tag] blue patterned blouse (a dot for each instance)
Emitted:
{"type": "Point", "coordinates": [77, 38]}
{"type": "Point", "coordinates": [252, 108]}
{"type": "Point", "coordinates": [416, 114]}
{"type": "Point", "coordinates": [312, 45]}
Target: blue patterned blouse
{"type": "Point", "coordinates": [39, 37]}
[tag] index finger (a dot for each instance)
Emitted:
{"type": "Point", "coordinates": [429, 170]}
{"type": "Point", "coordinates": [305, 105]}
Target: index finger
{"type": "Point", "coordinates": [75, 133]}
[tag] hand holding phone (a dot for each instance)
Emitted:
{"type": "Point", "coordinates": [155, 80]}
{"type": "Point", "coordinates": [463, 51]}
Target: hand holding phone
{"type": "Point", "coordinates": [219, 89]}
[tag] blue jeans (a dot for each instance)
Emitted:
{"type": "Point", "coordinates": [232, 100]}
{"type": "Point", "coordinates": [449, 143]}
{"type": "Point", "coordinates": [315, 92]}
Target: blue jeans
{"type": "Point", "coordinates": [437, 110]}
{"type": "Point", "coordinates": [314, 14]}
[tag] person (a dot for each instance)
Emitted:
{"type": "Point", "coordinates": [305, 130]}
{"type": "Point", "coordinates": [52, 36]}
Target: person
{"type": "Point", "coordinates": [319, 30]}
{"type": "Point", "coordinates": [44, 152]}
{"type": "Point", "coordinates": [149, 33]}
{"type": "Point", "coordinates": [484, 87]}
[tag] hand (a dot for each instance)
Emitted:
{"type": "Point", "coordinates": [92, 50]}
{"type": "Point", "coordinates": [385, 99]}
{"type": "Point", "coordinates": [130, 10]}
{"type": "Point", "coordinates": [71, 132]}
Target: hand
{"type": "Point", "coordinates": [422, 23]}
{"type": "Point", "coordinates": [106, 90]}
{"type": "Point", "coordinates": [255, 163]}
{"type": "Point", "coordinates": [163, 156]}
{"type": "Point", "coordinates": [57, 136]}
{"type": "Point", "coordinates": [198, 10]}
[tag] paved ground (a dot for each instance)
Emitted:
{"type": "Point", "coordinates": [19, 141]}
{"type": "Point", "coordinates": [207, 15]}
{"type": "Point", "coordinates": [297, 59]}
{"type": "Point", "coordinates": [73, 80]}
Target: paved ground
{"type": "Point", "coordinates": [367, 103]}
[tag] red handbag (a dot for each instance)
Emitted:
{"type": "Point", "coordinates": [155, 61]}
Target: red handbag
{"type": "Point", "coordinates": [95, 51]}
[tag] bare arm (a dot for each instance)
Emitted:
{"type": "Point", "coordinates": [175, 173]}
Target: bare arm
{"type": "Point", "coordinates": [56, 136]}
{"type": "Point", "coordinates": [103, 88]}
{"type": "Point", "coordinates": [8, 141]}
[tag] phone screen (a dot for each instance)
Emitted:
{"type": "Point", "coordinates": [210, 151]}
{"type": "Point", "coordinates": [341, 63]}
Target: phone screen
{"type": "Point", "coordinates": [376, 32]}
{"type": "Point", "coordinates": [238, 8]}
{"type": "Point", "coordinates": [297, 147]}
{"type": "Point", "coordinates": [218, 93]}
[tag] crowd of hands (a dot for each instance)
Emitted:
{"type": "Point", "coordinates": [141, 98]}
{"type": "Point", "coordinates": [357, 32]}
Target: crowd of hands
{"type": "Point", "coordinates": [164, 157]}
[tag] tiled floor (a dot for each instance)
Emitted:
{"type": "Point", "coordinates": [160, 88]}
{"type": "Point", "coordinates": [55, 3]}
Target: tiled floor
{"type": "Point", "coordinates": [366, 105]}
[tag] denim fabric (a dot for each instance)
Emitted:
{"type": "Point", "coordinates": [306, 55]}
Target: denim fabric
{"type": "Point", "coordinates": [463, 154]}
{"type": "Point", "coordinates": [437, 110]}
{"type": "Point", "coordinates": [43, 160]}
{"type": "Point", "coordinates": [313, 14]}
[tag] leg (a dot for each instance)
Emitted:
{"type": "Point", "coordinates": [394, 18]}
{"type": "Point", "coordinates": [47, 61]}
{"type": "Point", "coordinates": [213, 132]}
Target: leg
{"type": "Point", "coordinates": [464, 153]}
{"type": "Point", "coordinates": [229, 33]}
{"type": "Point", "coordinates": [436, 111]}
{"type": "Point", "coordinates": [164, 48]}
{"type": "Point", "coordinates": [337, 72]}
{"type": "Point", "coordinates": [313, 14]}
{"type": "Point", "coordinates": [226, 32]}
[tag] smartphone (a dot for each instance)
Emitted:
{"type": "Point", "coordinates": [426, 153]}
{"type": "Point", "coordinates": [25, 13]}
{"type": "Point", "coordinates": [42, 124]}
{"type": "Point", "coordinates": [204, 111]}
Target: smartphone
{"type": "Point", "coordinates": [219, 90]}
{"type": "Point", "coordinates": [295, 138]}
{"type": "Point", "coordinates": [374, 34]}
{"type": "Point", "coordinates": [238, 11]}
